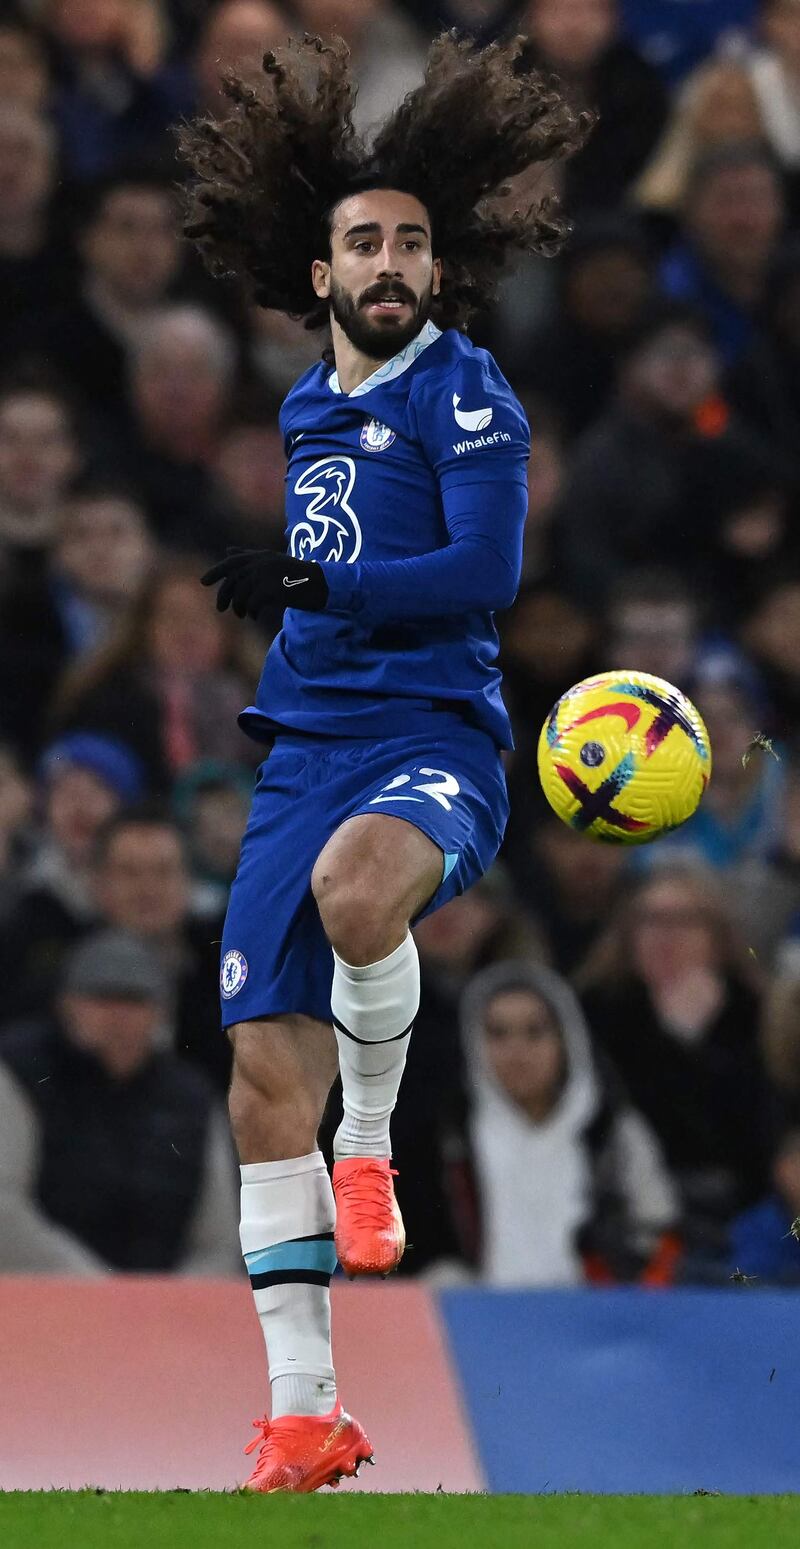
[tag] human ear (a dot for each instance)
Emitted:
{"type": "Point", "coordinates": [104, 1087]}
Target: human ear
{"type": "Point", "coordinates": [321, 279]}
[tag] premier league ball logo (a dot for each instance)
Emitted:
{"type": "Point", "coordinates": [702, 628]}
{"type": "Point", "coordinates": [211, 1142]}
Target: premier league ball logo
{"type": "Point", "coordinates": [375, 437]}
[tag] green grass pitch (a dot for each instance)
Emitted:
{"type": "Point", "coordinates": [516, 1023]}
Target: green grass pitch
{"type": "Point", "coordinates": [87, 1520]}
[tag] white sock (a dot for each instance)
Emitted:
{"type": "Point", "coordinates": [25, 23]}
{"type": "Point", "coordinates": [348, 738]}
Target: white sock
{"type": "Point", "coordinates": [286, 1232]}
{"type": "Point", "coordinates": [373, 1011]}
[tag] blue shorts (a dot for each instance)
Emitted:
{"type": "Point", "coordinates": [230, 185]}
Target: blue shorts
{"type": "Point", "coordinates": [275, 955]}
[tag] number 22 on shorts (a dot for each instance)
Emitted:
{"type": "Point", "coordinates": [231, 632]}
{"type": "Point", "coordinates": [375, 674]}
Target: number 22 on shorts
{"type": "Point", "coordinates": [440, 788]}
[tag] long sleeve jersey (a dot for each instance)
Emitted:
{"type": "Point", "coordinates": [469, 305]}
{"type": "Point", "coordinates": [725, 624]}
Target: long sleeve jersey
{"type": "Point", "coordinates": [411, 493]}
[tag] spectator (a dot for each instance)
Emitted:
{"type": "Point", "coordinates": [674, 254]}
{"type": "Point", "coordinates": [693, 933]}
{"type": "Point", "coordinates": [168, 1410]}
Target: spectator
{"type": "Point", "coordinates": [765, 889]}
{"type": "Point", "coordinates": [211, 801]}
{"type": "Point", "coordinates": [236, 34]}
{"type": "Point", "coordinates": [655, 474]}
{"type": "Point", "coordinates": [764, 386]}
{"type": "Point", "coordinates": [557, 1179]}
{"type": "Point", "coordinates": [581, 40]}
{"type": "Point", "coordinates": [653, 617]}
{"type": "Point", "coordinates": [129, 247]}
{"type": "Point", "coordinates": [752, 540]}
{"type": "Point", "coordinates": [780, 1039]}
{"type": "Point", "coordinates": [741, 814]}
{"type": "Point", "coordinates": [115, 99]}
{"type": "Point", "coordinates": [280, 350]}
{"type": "Point", "coordinates": [547, 644]}
{"type": "Point", "coordinates": [716, 105]}
{"type": "Point", "coordinates": [388, 53]}
{"type": "Point", "coordinates": [182, 373]}
{"type": "Point", "coordinates": [569, 886]}
{"type": "Point", "coordinates": [677, 37]}
{"type": "Point", "coordinates": [670, 997]}
{"type": "Point", "coordinates": [100, 562]}
{"type": "Point", "coordinates": [16, 813]}
{"type": "Point", "coordinates": [143, 885]}
{"type": "Point", "coordinates": [69, 600]}
{"type": "Point", "coordinates": [83, 780]}
{"type": "Point", "coordinates": [546, 472]}
{"type": "Point", "coordinates": [604, 280]}
{"type": "Point", "coordinates": [652, 621]}
{"type": "Point", "coordinates": [481, 927]}
{"type": "Point", "coordinates": [731, 219]}
{"type": "Point", "coordinates": [763, 1242]}
{"type": "Point", "coordinates": [24, 68]}
{"type": "Point", "coordinates": [171, 684]}
{"type": "Point", "coordinates": [113, 1154]}
{"type": "Point", "coordinates": [771, 634]}
{"type": "Point", "coordinates": [40, 455]}
{"type": "Point", "coordinates": [35, 264]}
{"type": "Point", "coordinates": [775, 74]}
{"type": "Point", "coordinates": [250, 467]}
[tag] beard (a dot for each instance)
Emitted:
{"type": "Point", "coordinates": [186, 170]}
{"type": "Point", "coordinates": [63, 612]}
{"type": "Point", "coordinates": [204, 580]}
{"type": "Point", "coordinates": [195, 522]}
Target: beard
{"type": "Point", "coordinates": [382, 339]}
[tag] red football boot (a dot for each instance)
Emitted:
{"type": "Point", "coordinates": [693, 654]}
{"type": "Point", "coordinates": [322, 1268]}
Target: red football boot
{"type": "Point", "coordinates": [300, 1453]}
{"type": "Point", "coordinates": [370, 1237]}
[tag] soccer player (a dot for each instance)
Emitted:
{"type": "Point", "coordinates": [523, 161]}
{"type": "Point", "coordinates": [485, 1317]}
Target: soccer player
{"type": "Point", "coordinates": [383, 794]}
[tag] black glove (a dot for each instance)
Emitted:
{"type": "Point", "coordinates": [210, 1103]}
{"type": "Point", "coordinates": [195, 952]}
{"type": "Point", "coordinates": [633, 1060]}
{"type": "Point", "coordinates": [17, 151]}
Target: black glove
{"type": "Point", "coordinates": [254, 580]}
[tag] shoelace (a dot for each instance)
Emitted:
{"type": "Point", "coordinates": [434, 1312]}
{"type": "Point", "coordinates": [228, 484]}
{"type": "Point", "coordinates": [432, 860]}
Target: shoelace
{"type": "Point", "coordinates": [264, 1427]}
{"type": "Point", "coordinates": [368, 1195]}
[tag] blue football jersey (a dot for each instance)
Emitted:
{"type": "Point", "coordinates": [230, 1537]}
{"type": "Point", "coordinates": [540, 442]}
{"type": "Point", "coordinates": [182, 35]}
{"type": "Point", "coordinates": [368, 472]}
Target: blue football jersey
{"type": "Point", "coordinates": [411, 491]}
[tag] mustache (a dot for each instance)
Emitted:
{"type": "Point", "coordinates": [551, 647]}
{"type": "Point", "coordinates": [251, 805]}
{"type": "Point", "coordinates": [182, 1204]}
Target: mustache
{"type": "Point", "coordinates": [380, 292]}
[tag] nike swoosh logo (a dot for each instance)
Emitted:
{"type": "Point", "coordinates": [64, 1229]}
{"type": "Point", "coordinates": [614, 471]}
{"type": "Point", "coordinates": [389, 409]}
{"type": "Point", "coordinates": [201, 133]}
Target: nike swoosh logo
{"type": "Point", "coordinates": [301, 581]}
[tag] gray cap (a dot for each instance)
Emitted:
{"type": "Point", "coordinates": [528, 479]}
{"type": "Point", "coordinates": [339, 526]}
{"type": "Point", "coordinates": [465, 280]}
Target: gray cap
{"type": "Point", "coordinates": [115, 963]}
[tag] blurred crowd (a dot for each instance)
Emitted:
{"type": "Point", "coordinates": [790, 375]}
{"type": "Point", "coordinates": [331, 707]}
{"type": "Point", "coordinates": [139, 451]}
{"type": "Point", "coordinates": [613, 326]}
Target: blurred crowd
{"type": "Point", "coordinates": [604, 1081]}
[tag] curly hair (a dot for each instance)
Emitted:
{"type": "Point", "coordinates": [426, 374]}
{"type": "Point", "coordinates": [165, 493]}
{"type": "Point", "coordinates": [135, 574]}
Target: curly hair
{"type": "Point", "coordinates": [267, 176]}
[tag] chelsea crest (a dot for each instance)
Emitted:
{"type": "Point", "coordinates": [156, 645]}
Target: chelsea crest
{"type": "Point", "coordinates": [375, 437]}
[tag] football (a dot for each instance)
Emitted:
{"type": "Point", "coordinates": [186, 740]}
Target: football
{"type": "Point", "coordinates": [624, 757]}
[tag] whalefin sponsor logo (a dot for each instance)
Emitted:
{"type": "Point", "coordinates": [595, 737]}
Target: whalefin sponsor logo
{"type": "Point", "coordinates": [471, 419]}
{"type": "Point", "coordinates": [497, 438]}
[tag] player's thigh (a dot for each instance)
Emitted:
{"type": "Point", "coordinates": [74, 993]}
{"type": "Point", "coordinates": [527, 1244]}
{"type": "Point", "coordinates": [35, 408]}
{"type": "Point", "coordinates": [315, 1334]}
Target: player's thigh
{"type": "Point", "coordinates": [389, 866]}
{"type": "Point", "coordinates": [426, 822]}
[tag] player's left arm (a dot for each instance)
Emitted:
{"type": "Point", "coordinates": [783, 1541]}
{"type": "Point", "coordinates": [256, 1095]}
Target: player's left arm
{"type": "Point", "coordinates": [478, 569]}
{"type": "Point", "coordinates": [482, 477]}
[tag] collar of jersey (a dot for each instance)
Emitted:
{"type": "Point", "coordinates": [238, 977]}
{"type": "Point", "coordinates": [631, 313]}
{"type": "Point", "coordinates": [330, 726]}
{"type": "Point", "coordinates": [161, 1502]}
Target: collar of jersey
{"type": "Point", "coordinates": [394, 367]}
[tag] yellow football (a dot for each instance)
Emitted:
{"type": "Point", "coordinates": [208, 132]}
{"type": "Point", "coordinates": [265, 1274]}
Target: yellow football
{"type": "Point", "coordinates": [624, 757]}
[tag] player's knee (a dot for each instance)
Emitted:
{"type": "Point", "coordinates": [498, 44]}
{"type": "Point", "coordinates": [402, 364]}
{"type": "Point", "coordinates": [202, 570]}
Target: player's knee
{"type": "Point", "coordinates": [357, 921]}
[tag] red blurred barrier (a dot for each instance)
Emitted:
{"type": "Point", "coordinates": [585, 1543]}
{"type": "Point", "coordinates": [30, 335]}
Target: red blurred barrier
{"type": "Point", "coordinates": [150, 1384]}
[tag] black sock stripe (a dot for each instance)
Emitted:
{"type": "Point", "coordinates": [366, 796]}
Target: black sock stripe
{"type": "Point", "coordinates": [370, 1043]}
{"type": "Point", "coordinates": [314, 1237]}
{"type": "Point", "coordinates": [290, 1277]}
